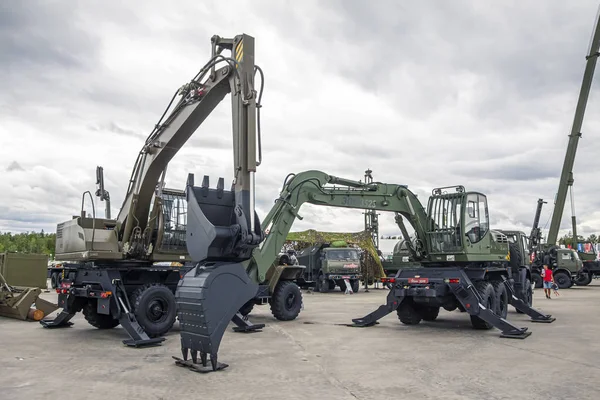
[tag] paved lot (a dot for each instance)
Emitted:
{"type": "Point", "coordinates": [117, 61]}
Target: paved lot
{"type": "Point", "coordinates": [313, 358]}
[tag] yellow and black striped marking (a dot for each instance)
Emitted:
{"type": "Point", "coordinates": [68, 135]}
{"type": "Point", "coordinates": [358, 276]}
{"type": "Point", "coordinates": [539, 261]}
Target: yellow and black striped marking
{"type": "Point", "coordinates": [239, 52]}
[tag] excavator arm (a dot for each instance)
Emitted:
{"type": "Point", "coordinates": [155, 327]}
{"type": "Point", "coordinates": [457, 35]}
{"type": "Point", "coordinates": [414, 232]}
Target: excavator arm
{"type": "Point", "coordinates": [319, 188]}
{"type": "Point", "coordinates": [198, 98]}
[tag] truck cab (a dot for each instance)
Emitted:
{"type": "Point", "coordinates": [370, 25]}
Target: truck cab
{"type": "Point", "coordinates": [565, 263]}
{"type": "Point", "coordinates": [331, 264]}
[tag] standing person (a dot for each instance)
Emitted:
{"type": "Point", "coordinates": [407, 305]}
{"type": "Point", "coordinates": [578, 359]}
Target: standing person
{"type": "Point", "coordinates": [548, 281]}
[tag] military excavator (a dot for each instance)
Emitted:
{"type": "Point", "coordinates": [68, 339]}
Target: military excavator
{"type": "Point", "coordinates": [115, 271]}
{"type": "Point", "coordinates": [463, 263]}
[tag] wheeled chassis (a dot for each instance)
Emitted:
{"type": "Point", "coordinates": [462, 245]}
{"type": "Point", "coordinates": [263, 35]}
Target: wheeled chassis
{"type": "Point", "coordinates": [111, 284]}
{"type": "Point", "coordinates": [436, 286]}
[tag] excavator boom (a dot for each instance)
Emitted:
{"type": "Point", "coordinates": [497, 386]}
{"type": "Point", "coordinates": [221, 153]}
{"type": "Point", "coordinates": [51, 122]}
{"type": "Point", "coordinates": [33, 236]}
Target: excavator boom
{"type": "Point", "coordinates": [136, 232]}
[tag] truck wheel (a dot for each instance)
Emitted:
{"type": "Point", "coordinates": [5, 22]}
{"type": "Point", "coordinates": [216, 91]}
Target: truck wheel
{"type": "Point", "coordinates": [53, 279]}
{"type": "Point", "coordinates": [286, 301]}
{"type": "Point", "coordinates": [323, 284]}
{"type": "Point", "coordinates": [537, 280]}
{"type": "Point", "coordinates": [583, 279]}
{"type": "Point", "coordinates": [154, 308]}
{"type": "Point", "coordinates": [355, 285]}
{"type": "Point", "coordinates": [332, 285]}
{"type": "Point", "coordinates": [563, 280]}
{"type": "Point", "coordinates": [428, 313]}
{"type": "Point", "coordinates": [100, 321]}
{"type": "Point", "coordinates": [488, 296]}
{"type": "Point", "coordinates": [501, 298]}
{"type": "Point", "coordinates": [407, 314]}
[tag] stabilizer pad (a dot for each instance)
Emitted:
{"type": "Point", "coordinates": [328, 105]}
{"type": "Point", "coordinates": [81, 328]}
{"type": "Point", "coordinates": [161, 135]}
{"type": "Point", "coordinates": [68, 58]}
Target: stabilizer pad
{"type": "Point", "coordinates": [522, 335]}
{"type": "Point", "coordinates": [543, 320]}
{"type": "Point", "coordinates": [208, 296]}
{"type": "Point", "coordinates": [198, 367]}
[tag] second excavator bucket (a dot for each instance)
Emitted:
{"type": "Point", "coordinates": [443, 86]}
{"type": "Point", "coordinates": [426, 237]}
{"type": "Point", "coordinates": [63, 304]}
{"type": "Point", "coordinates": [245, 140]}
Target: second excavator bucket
{"type": "Point", "coordinates": [18, 304]}
{"type": "Point", "coordinates": [210, 295]}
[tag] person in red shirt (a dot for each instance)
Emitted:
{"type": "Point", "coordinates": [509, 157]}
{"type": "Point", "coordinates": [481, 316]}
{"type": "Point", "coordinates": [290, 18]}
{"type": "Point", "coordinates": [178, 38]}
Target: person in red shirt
{"type": "Point", "coordinates": [548, 281]}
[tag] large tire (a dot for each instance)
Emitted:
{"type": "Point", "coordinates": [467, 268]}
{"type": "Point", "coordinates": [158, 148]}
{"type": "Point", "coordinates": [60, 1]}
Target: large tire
{"type": "Point", "coordinates": [323, 284]}
{"type": "Point", "coordinates": [488, 295]}
{"type": "Point", "coordinates": [155, 308]}
{"type": "Point", "coordinates": [537, 280]}
{"type": "Point", "coordinates": [53, 284]}
{"type": "Point", "coordinates": [515, 256]}
{"type": "Point", "coordinates": [407, 314]}
{"type": "Point", "coordinates": [583, 279]}
{"type": "Point", "coordinates": [286, 301]}
{"type": "Point", "coordinates": [563, 280]}
{"type": "Point", "coordinates": [501, 299]}
{"type": "Point", "coordinates": [100, 321]}
{"type": "Point", "coordinates": [428, 313]}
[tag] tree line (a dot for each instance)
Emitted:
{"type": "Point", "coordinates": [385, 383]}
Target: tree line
{"type": "Point", "coordinates": [44, 243]}
{"type": "Point", "coordinates": [28, 242]}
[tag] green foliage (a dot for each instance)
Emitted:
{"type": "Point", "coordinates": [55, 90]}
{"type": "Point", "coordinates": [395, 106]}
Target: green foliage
{"type": "Point", "coordinates": [567, 239]}
{"type": "Point", "coordinates": [29, 242]}
{"type": "Point", "coordinates": [372, 263]}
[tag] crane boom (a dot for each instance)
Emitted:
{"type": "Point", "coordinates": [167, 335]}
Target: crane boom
{"type": "Point", "coordinates": [566, 177]}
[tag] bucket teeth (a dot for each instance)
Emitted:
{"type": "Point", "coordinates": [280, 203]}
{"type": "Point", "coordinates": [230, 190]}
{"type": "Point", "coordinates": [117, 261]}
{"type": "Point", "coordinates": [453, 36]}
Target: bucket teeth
{"type": "Point", "coordinates": [208, 297]}
{"type": "Point", "coordinates": [213, 361]}
{"type": "Point", "coordinates": [184, 352]}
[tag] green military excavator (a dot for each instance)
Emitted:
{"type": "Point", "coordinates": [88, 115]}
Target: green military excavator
{"type": "Point", "coordinates": [462, 262]}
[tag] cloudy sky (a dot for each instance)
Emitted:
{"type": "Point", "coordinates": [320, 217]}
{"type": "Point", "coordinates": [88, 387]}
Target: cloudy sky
{"type": "Point", "coordinates": [426, 94]}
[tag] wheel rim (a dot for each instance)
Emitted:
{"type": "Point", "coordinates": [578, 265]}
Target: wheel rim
{"type": "Point", "coordinates": [156, 310]}
{"type": "Point", "coordinates": [290, 299]}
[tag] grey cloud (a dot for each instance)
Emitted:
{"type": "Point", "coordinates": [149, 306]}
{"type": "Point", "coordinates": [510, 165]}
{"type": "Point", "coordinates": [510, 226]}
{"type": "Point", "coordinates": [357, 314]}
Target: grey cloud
{"type": "Point", "coordinates": [14, 166]}
{"type": "Point", "coordinates": [42, 34]}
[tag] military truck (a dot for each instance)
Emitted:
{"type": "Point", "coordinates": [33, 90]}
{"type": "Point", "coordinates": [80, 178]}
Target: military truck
{"type": "Point", "coordinates": [329, 265]}
{"type": "Point", "coordinates": [590, 263]}
{"type": "Point", "coordinates": [565, 263]}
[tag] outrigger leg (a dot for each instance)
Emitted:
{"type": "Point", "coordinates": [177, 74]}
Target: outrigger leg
{"type": "Point", "coordinates": [392, 304]}
{"type": "Point", "coordinates": [472, 303]}
{"type": "Point", "coordinates": [520, 305]}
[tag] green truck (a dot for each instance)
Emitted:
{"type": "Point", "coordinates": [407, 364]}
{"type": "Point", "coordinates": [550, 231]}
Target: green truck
{"type": "Point", "coordinates": [329, 265]}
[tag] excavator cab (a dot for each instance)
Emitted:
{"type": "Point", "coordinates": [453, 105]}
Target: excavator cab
{"type": "Point", "coordinates": [459, 224]}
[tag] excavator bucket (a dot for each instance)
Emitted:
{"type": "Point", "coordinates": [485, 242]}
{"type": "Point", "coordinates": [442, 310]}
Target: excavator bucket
{"type": "Point", "coordinates": [17, 303]}
{"type": "Point", "coordinates": [210, 295]}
